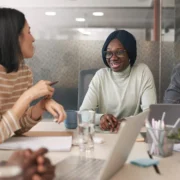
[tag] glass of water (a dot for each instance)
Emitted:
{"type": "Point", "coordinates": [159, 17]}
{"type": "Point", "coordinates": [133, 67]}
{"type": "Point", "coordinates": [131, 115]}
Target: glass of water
{"type": "Point", "coordinates": [86, 122]}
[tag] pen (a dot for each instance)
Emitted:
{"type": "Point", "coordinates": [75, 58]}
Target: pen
{"type": "Point", "coordinates": [151, 132]}
{"type": "Point", "coordinates": [162, 120]}
{"type": "Point", "coordinates": [155, 166]}
{"type": "Point", "coordinates": [53, 83]}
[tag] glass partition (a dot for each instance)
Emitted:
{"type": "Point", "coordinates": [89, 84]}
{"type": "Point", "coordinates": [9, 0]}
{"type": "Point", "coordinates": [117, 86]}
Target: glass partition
{"type": "Point", "coordinates": [70, 34]}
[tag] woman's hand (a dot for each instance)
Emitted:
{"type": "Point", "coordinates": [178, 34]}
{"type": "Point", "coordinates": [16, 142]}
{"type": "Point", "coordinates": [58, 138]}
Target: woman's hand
{"type": "Point", "coordinates": [109, 122]}
{"type": "Point", "coordinates": [55, 109]}
{"type": "Point", "coordinates": [40, 89]}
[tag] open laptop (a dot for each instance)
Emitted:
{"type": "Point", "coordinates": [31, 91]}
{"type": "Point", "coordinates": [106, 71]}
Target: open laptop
{"type": "Point", "coordinates": [77, 168]}
{"type": "Point", "coordinates": [172, 113]}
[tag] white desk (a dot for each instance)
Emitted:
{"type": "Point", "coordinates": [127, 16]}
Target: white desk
{"type": "Point", "coordinates": [101, 150]}
{"type": "Point", "coordinates": [170, 167]}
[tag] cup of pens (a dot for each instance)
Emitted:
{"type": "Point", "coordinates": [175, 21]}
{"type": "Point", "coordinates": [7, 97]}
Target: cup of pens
{"type": "Point", "coordinates": [160, 136]}
{"type": "Point", "coordinates": [158, 142]}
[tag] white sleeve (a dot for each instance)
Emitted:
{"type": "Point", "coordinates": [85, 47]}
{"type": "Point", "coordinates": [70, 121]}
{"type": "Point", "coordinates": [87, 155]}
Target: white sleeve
{"type": "Point", "coordinates": [148, 90]}
{"type": "Point", "coordinates": [91, 100]}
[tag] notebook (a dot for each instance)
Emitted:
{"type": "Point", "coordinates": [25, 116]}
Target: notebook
{"type": "Point", "coordinates": [52, 143]}
{"type": "Point", "coordinates": [75, 167]}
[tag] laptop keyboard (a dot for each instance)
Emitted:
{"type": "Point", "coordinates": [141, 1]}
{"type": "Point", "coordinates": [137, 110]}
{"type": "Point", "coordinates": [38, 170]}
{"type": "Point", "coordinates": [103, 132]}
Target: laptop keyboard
{"type": "Point", "coordinates": [78, 168]}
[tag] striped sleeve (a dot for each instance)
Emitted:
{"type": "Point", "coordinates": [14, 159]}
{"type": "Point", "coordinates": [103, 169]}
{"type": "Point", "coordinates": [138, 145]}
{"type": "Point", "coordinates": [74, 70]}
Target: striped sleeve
{"type": "Point", "coordinates": [12, 86]}
{"type": "Point", "coordinates": [8, 125]}
{"type": "Point", "coordinates": [26, 123]}
{"type": "Point", "coordinates": [30, 78]}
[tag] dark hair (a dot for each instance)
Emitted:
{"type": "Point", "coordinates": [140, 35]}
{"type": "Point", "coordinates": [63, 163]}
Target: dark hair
{"type": "Point", "coordinates": [127, 40]}
{"type": "Point", "coordinates": [12, 22]}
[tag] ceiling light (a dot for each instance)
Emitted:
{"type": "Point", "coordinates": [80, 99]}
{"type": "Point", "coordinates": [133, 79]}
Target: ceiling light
{"type": "Point", "coordinates": [98, 14]}
{"type": "Point", "coordinates": [50, 13]}
{"type": "Point", "coordinates": [80, 19]}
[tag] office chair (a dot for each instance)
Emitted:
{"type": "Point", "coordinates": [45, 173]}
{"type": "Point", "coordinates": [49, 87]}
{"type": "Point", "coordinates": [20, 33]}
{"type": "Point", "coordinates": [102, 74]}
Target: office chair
{"type": "Point", "coordinates": [85, 77]}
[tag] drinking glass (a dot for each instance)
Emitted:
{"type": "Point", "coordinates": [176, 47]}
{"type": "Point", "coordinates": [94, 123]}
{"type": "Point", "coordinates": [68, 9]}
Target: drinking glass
{"type": "Point", "coordinates": [86, 122]}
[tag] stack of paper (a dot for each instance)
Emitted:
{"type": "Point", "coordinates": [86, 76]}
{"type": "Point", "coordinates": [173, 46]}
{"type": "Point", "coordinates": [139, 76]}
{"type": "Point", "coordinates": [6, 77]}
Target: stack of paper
{"type": "Point", "coordinates": [52, 143]}
{"type": "Point", "coordinates": [176, 147]}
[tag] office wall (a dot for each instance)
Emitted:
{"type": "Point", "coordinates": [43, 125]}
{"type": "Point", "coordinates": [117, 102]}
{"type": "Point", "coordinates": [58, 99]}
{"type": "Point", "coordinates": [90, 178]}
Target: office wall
{"type": "Point", "coordinates": [169, 60]}
{"type": "Point", "coordinates": [177, 28]}
{"type": "Point", "coordinates": [62, 60]}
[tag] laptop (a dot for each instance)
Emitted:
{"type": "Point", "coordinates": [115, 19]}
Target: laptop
{"type": "Point", "coordinates": [172, 113]}
{"type": "Point", "coordinates": [78, 168]}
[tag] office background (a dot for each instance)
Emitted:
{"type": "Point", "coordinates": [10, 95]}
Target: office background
{"type": "Point", "coordinates": [64, 46]}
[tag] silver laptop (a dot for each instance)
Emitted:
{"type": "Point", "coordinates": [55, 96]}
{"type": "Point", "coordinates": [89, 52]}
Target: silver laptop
{"type": "Point", "coordinates": [77, 168]}
{"type": "Point", "coordinates": [172, 113]}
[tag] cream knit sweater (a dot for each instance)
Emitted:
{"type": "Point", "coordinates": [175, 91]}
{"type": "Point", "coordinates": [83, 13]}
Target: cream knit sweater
{"type": "Point", "coordinates": [122, 94]}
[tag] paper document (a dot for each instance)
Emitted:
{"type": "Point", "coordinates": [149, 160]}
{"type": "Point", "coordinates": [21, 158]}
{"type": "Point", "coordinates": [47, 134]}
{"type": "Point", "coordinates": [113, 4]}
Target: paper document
{"type": "Point", "coordinates": [62, 143]}
{"type": "Point", "coordinates": [176, 147]}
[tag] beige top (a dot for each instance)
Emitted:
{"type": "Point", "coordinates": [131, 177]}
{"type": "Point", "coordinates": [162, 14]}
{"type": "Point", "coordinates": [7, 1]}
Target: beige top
{"type": "Point", "coordinates": [12, 86]}
{"type": "Point", "coordinates": [122, 94]}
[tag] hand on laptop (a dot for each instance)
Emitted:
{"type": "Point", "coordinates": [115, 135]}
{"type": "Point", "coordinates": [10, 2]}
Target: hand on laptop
{"type": "Point", "coordinates": [109, 122]}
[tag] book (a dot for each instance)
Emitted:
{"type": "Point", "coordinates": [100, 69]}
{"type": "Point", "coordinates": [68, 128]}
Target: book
{"type": "Point", "coordinates": [52, 143]}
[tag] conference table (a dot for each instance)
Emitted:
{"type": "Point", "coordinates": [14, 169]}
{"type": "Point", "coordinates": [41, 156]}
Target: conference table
{"type": "Point", "coordinates": [169, 166]}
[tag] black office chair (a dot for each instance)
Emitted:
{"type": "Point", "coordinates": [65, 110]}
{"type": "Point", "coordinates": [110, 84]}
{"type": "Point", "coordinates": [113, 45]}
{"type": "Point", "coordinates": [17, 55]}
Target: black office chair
{"type": "Point", "coordinates": [85, 77]}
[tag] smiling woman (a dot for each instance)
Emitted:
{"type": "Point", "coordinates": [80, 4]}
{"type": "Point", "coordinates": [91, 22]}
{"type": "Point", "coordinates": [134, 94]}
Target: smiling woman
{"type": "Point", "coordinates": [124, 88]}
{"type": "Point", "coordinates": [117, 57]}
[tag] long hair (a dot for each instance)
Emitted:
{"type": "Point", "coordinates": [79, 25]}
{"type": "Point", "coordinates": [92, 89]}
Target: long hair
{"type": "Point", "coordinates": [12, 22]}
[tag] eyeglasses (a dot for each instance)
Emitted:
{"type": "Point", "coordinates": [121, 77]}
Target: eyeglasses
{"type": "Point", "coordinates": [119, 53]}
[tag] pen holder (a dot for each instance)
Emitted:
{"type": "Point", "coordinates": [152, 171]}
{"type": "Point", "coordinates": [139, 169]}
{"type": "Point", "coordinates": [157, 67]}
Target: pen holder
{"type": "Point", "coordinates": [158, 142]}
